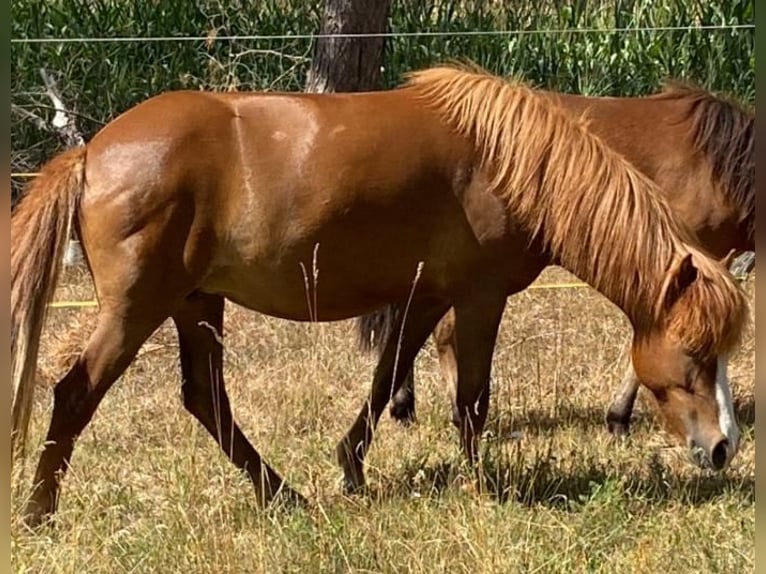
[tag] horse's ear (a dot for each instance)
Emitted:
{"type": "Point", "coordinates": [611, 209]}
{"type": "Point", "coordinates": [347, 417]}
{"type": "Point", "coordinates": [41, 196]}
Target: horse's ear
{"type": "Point", "coordinates": [682, 275]}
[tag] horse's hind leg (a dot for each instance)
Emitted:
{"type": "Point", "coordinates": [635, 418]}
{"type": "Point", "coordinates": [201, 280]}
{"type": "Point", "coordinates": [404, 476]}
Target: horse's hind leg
{"type": "Point", "coordinates": [418, 323]}
{"type": "Point", "coordinates": [200, 326]}
{"type": "Point", "coordinates": [403, 404]}
{"type": "Point", "coordinates": [109, 351]}
{"type": "Point", "coordinates": [402, 407]}
{"type": "Point", "coordinates": [446, 350]}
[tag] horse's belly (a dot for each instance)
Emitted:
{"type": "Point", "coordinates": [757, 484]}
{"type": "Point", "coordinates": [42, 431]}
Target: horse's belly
{"type": "Point", "coordinates": [302, 292]}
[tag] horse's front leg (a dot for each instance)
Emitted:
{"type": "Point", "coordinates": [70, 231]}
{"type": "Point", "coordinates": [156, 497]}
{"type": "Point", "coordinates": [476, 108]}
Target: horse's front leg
{"type": "Point", "coordinates": [477, 319]}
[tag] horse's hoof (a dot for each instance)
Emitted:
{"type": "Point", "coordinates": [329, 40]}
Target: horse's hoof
{"type": "Point", "coordinates": [350, 487]}
{"type": "Point", "coordinates": [35, 520]}
{"type": "Point", "coordinates": [617, 427]}
{"type": "Point", "coordinates": [403, 414]}
{"type": "Point", "coordinates": [293, 499]}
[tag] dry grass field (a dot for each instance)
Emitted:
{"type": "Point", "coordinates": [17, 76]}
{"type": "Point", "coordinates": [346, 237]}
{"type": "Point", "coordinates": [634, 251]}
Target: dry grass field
{"type": "Point", "coordinates": [149, 491]}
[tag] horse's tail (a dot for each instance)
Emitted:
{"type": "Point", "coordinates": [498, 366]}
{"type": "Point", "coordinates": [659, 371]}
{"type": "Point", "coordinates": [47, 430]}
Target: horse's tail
{"type": "Point", "coordinates": [40, 229]}
{"type": "Point", "coordinates": [373, 330]}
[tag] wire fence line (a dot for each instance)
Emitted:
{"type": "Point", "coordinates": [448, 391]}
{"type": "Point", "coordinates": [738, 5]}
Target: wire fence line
{"type": "Point", "coordinates": [731, 30]}
{"type": "Point", "coordinates": [424, 33]}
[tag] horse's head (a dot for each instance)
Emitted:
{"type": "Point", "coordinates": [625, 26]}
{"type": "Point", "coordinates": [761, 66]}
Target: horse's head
{"type": "Point", "coordinates": [681, 359]}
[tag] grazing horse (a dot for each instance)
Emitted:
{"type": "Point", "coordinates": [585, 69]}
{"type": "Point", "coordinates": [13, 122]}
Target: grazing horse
{"type": "Point", "coordinates": [698, 147]}
{"type": "Point", "coordinates": [190, 198]}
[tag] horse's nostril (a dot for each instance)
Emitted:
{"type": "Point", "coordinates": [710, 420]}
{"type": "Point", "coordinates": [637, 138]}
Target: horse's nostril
{"type": "Point", "coordinates": [719, 454]}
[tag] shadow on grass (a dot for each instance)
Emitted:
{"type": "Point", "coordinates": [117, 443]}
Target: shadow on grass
{"type": "Point", "coordinates": [543, 483]}
{"type": "Point", "coordinates": [539, 420]}
{"type": "Point", "coordinates": [540, 480]}
{"type": "Point", "coordinates": [586, 418]}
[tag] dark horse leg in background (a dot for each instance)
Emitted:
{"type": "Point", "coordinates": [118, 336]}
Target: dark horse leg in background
{"type": "Point", "coordinates": [373, 331]}
{"type": "Point", "coordinates": [479, 313]}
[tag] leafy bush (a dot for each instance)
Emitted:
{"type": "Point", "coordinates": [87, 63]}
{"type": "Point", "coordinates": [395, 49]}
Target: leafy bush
{"type": "Point", "coordinates": [102, 78]}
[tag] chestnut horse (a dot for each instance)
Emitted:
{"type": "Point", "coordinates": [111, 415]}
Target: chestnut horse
{"type": "Point", "coordinates": [190, 198]}
{"type": "Point", "coordinates": [697, 146]}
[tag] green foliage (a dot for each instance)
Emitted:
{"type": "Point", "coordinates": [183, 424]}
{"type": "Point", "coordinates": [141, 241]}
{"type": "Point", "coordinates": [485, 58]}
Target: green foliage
{"type": "Point", "coordinates": [592, 60]}
{"type": "Point", "coordinates": [101, 79]}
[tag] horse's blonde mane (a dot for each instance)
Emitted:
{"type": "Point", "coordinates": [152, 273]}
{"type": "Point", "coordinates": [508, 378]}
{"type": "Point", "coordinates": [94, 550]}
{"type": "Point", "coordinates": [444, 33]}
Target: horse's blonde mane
{"type": "Point", "coordinates": [596, 214]}
{"type": "Point", "coordinates": [724, 131]}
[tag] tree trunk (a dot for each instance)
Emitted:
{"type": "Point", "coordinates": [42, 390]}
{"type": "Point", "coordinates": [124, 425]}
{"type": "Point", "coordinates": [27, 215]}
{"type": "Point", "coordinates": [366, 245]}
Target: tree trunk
{"type": "Point", "coordinates": [349, 64]}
